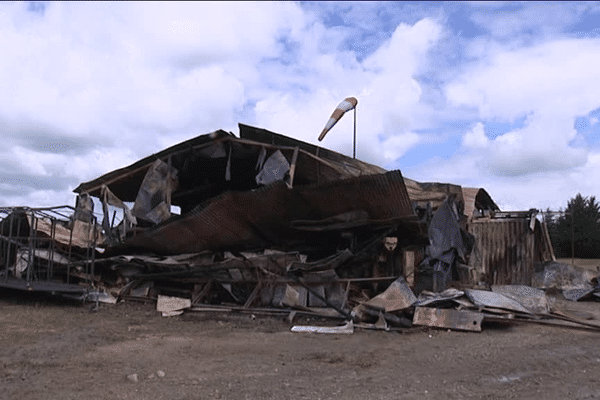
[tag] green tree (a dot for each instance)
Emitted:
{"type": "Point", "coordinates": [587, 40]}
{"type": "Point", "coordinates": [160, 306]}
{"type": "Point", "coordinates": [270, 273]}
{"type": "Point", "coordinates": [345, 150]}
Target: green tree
{"type": "Point", "coordinates": [577, 228]}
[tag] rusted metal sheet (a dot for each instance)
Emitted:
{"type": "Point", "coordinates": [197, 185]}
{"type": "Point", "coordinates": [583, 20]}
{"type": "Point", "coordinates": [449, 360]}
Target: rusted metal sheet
{"type": "Point", "coordinates": [422, 193]}
{"type": "Point", "coordinates": [448, 318]}
{"type": "Point", "coordinates": [504, 251]}
{"type": "Point", "coordinates": [397, 296]}
{"type": "Point", "coordinates": [263, 217]}
{"type": "Point", "coordinates": [477, 199]}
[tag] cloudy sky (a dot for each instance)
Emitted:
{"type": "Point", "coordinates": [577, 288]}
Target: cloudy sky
{"type": "Point", "coordinates": [504, 96]}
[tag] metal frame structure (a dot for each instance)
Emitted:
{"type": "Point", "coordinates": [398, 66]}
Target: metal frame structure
{"type": "Point", "coordinates": [38, 253]}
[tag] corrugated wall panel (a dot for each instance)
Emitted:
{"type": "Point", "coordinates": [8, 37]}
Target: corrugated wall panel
{"type": "Point", "coordinates": [506, 251]}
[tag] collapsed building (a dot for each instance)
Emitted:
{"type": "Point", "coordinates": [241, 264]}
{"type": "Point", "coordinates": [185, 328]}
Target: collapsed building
{"type": "Point", "coordinates": [265, 220]}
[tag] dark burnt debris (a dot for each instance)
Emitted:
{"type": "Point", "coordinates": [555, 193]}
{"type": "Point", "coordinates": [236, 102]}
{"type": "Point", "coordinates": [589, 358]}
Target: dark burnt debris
{"type": "Point", "coordinates": [263, 223]}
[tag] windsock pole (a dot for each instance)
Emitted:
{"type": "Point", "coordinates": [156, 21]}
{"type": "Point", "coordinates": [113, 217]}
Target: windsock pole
{"type": "Point", "coordinates": [354, 147]}
{"type": "Point", "coordinates": [346, 105]}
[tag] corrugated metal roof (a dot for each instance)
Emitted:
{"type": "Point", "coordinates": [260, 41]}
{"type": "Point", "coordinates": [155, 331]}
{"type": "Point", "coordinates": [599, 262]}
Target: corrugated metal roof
{"type": "Point", "coordinates": [263, 217]}
{"type": "Point", "coordinates": [201, 165]}
{"type": "Point", "coordinates": [477, 198]}
{"type": "Point", "coordinates": [431, 192]}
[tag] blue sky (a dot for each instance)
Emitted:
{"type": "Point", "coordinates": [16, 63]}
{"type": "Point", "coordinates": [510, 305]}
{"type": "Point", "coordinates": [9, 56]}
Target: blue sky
{"type": "Point", "coordinates": [499, 95]}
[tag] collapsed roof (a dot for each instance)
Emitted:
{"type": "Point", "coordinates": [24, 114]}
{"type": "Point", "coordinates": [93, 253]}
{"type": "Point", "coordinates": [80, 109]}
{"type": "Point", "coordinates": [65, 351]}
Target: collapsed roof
{"type": "Point", "coordinates": [211, 164]}
{"type": "Point", "coordinates": [260, 190]}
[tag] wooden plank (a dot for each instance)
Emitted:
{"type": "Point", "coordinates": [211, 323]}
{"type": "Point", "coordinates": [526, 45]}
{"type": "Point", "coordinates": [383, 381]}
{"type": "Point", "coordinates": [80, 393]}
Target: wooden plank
{"type": "Point", "coordinates": [530, 260]}
{"type": "Point", "coordinates": [548, 246]}
{"type": "Point", "coordinates": [448, 318]}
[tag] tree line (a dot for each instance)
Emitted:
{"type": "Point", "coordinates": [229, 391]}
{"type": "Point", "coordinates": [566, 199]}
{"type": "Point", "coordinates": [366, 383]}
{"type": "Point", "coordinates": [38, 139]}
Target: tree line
{"type": "Point", "coordinates": [576, 229]}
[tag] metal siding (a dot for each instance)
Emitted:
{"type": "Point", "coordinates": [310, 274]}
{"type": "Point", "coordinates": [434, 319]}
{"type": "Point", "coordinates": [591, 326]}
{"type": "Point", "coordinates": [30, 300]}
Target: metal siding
{"type": "Point", "coordinates": [507, 249]}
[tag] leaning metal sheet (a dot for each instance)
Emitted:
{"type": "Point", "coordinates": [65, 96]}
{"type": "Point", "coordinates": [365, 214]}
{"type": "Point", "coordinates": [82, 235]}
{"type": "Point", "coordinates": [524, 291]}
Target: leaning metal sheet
{"type": "Point", "coordinates": [263, 217]}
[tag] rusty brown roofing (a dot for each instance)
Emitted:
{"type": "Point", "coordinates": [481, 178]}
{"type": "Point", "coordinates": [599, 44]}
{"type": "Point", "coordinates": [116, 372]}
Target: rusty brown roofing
{"type": "Point", "coordinates": [264, 217]}
{"type": "Point", "coordinates": [422, 193]}
{"type": "Point", "coordinates": [476, 199]}
{"type": "Point", "coordinates": [201, 163]}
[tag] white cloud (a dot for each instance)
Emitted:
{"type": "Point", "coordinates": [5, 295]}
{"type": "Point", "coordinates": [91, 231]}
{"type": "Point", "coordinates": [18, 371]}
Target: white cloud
{"type": "Point", "coordinates": [476, 138]}
{"type": "Point", "coordinates": [100, 85]}
{"type": "Point", "coordinates": [552, 84]}
{"type": "Point", "coordinates": [557, 76]}
{"type": "Point", "coordinates": [127, 76]}
{"type": "Point", "coordinates": [540, 190]}
{"type": "Point", "coordinates": [396, 146]}
{"type": "Point", "coordinates": [385, 87]}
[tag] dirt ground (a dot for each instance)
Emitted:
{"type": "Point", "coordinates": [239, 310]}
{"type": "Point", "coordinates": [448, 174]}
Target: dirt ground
{"type": "Point", "coordinates": [61, 350]}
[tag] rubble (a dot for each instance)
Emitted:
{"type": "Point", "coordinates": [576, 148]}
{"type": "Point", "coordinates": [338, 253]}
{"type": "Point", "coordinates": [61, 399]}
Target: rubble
{"type": "Point", "coordinates": [268, 225]}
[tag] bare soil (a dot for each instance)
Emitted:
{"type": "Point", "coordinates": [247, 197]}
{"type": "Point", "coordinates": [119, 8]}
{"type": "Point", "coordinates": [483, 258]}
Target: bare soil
{"type": "Point", "coordinates": [61, 350]}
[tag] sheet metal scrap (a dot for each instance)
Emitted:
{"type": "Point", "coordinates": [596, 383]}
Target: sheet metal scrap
{"type": "Point", "coordinates": [483, 298]}
{"type": "Point", "coordinates": [532, 299]}
{"type": "Point", "coordinates": [346, 329]}
{"type": "Point", "coordinates": [427, 298]}
{"type": "Point", "coordinates": [448, 318]}
{"type": "Point", "coordinates": [398, 296]}
{"type": "Point", "coordinates": [579, 294]}
{"type": "Point", "coordinates": [564, 276]}
{"type": "Point", "coordinates": [153, 202]}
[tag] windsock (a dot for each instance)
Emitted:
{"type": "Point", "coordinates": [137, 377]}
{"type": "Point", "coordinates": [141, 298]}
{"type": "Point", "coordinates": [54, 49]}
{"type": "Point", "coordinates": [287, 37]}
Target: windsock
{"type": "Point", "coordinates": [346, 105]}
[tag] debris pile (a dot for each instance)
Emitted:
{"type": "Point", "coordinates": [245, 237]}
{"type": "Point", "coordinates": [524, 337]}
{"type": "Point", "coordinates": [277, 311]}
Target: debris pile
{"type": "Point", "coordinates": [264, 223]}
